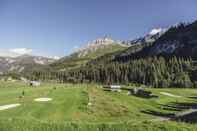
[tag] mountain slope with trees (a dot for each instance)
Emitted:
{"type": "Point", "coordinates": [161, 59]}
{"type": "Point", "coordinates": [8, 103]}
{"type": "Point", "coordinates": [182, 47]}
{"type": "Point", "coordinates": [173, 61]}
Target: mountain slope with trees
{"type": "Point", "coordinates": [92, 51]}
{"type": "Point", "coordinates": [161, 63]}
{"type": "Point", "coordinates": [179, 41]}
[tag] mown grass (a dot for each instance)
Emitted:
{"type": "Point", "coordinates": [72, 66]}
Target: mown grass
{"type": "Point", "coordinates": [21, 125]}
{"type": "Point", "coordinates": [69, 109]}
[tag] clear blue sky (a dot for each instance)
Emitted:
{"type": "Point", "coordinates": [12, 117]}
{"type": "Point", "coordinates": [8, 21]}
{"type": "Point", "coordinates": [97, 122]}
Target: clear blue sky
{"type": "Point", "coordinates": [55, 27]}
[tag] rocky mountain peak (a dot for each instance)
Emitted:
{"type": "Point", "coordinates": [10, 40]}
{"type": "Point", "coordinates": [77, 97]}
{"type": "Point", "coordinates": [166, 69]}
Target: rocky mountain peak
{"type": "Point", "coordinates": [98, 43]}
{"type": "Point", "coordinates": [95, 45]}
{"type": "Point", "coordinates": [102, 41]}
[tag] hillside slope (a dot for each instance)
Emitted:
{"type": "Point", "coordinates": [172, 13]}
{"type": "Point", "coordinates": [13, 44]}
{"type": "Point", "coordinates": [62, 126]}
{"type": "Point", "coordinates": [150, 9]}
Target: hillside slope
{"type": "Point", "coordinates": [92, 51]}
{"type": "Point", "coordinates": [180, 41]}
{"type": "Point", "coordinates": [135, 46]}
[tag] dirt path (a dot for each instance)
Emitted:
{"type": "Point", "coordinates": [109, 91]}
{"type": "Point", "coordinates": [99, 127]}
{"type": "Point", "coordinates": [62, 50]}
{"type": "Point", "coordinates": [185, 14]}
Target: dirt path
{"type": "Point", "coordinates": [177, 115]}
{"type": "Point", "coordinates": [159, 119]}
{"type": "Point", "coordinates": [43, 99]}
{"type": "Point", "coordinates": [169, 94]}
{"type": "Point", "coordinates": [185, 113]}
{"type": "Point", "coordinates": [5, 107]}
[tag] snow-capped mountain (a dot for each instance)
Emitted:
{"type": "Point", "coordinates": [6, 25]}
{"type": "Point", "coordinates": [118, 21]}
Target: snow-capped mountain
{"type": "Point", "coordinates": [151, 37]}
{"type": "Point", "coordinates": [179, 40]}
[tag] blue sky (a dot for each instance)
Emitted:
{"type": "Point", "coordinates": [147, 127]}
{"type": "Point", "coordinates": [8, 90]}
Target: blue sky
{"type": "Point", "coordinates": [56, 27]}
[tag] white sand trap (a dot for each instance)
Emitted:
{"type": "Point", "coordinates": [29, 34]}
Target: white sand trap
{"type": "Point", "coordinates": [43, 99]}
{"type": "Point", "coordinates": [5, 107]}
{"type": "Point", "coordinates": [89, 104]}
{"type": "Point", "coordinates": [168, 94]}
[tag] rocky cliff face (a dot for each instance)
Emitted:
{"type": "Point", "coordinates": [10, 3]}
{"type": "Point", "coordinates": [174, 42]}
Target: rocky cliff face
{"type": "Point", "coordinates": [93, 46]}
{"type": "Point", "coordinates": [92, 50]}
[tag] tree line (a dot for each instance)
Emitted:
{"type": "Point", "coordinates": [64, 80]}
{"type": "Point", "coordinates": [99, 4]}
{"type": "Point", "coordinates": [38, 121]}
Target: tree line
{"type": "Point", "coordinates": [153, 71]}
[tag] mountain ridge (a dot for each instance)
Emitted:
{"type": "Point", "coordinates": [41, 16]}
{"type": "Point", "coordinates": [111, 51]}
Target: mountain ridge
{"type": "Point", "coordinates": [23, 63]}
{"type": "Point", "coordinates": [179, 40]}
{"type": "Point", "coordinates": [92, 50]}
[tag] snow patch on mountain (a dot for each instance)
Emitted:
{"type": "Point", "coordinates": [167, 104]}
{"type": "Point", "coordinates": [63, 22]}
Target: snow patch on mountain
{"type": "Point", "coordinates": [150, 37]}
{"type": "Point", "coordinates": [156, 31]}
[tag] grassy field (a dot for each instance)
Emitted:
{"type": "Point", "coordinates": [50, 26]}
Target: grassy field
{"type": "Point", "coordinates": [70, 108]}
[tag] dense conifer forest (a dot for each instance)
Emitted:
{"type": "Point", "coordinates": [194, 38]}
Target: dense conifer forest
{"type": "Point", "coordinates": [153, 71]}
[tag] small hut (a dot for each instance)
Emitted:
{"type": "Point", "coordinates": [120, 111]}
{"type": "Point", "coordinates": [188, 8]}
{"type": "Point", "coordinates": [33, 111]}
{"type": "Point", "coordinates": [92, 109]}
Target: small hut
{"type": "Point", "coordinates": [34, 83]}
{"type": "Point", "coordinates": [140, 92]}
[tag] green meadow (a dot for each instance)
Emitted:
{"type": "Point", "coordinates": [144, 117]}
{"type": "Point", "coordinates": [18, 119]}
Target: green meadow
{"type": "Point", "coordinates": [87, 107]}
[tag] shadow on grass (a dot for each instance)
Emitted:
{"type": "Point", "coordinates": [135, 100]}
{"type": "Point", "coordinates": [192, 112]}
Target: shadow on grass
{"type": "Point", "coordinates": [142, 93]}
{"type": "Point", "coordinates": [193, 97]}
{"type": "Point", "coordinates": [184, 105]}
{"type": "Point", "coordinates": [170, 107]}
{"type": "Point", "coordinates": [146, 97]}
{"type": "Point", "coordinates": [183, 109]}
{"type": "Point", "coordinates": [159, 114]}
{"type": "Point", "coordinates": [189, 118]}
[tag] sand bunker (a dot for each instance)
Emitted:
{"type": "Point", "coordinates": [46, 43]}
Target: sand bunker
{"type": "Point", "coordinates": [43, 99]}
{"type": "Point", "coordinates": [168, 94]}
{"type": "Point", "coordinates": [5, 107]}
